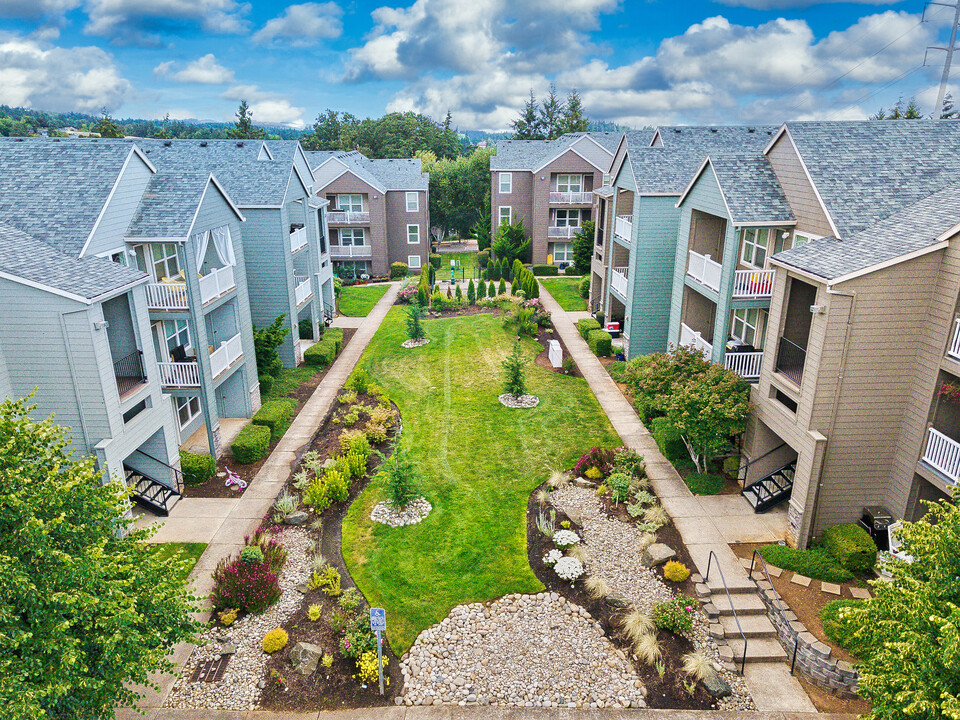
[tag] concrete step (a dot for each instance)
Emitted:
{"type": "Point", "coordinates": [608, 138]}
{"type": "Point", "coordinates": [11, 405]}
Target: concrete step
{"type": "Point", "coordinates": [753, 626]}
{"type": "Point", "coordinates": [737, 583]}
{"type": "Point", "coordinates": [743, 604]}
{"type": "Point", "coordinates": [758, 650]}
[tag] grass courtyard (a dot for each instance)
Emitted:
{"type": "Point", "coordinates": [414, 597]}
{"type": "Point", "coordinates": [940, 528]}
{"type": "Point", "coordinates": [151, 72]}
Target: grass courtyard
{"type": "Point", "coordinates": [187, 551]}
{"type": "Point", "coordinates": [566, 291]}
{"type": "Point", "coordinates": [358, 300]}
{"type": "Point", "coordinates": [479, 462]}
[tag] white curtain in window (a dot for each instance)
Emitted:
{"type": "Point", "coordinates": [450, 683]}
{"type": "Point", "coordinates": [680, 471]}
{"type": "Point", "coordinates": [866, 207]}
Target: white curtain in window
{"type": "Point", "coordinates": [224, 245]}
{"type": "Point", "coordinates": [201, 240]}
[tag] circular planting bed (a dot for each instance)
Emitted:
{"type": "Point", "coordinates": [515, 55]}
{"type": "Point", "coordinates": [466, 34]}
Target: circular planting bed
{"type": "Point", "coordinates": [518, 403]}
{"type": "Point", "coordinates": [410, 344]}
{"type": "Point", "coordinates": [386, 514]}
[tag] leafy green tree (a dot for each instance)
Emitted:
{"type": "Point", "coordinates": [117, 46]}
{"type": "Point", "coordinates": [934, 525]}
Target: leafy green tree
{"type": "Point", "coordinates": [481, 228]}
{"type": "Point", "coordinates": [244, 127]}
{"type": "Point", "coordinates": [471, 293]}
{"type": "Point", "coordinates": [529, 125]}
{"type": "Point", "coordinates": [900, 112]}
{"type": "Point", "coordinates": [511, 241]}
{"type": "Point", "coordinates": [88, 608]}
{"type": "Point", "coordinates": [459, 191]}
{"type": "Point", "coordinates": [107, 126]}
{"type": "Point", "coordinates": [583, 247]}
{"type": "Point", "coordinates": [401, 480]}
{"type": "Point", "coordinates": [266, 340]}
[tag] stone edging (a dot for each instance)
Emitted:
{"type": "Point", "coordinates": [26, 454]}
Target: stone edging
{"type": "Point", "coordinates": [813, 657]}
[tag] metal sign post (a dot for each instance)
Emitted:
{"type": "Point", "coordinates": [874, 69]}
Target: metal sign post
{"type": "Point", "coordinates": [378, 623]}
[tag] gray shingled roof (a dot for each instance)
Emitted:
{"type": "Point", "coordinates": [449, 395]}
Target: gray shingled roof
{"type": "Point", "coordinates": [912, 228]}
{"type": "Point", "coordinates": [54, 190]}
{"type": "Point", "coordinates": [33, 260]}
{"type": "Point", "coordinates": [751, 189]}
{"type": "Point", "coordinates": [388, 174]}
{"type": "Point", "coordinates": [531, 154]}
{"type": "Point", "coordinates": [866, 171]}
{"type": "Point", "coordinates": [168, 205]}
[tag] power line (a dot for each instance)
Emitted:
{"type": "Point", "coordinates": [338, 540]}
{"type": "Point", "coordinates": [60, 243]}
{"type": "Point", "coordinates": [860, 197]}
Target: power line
{"type": "Point", "coordinates": [835, 115]}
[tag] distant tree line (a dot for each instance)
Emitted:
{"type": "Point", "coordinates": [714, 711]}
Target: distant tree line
{"type": "Point", "coordinates": [395, 135]}
{"type": "Point", "coordinates": [911, 111]}
{"type": "Point", "coordinates": [551, 118]}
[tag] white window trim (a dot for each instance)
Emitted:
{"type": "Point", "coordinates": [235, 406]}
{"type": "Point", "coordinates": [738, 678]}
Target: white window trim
{"type": "Point", "coordinates": [194, 416]}
{"type": "Point", "coordinates": [569, 176]}
{"type": "Point", "coordinates": [417, 242]}
{"type": "Point", "coordinates": [414, 262]}
{"type": "Point", "coordinates": [567, 216]}
{"type": "Point", "coordinates": [807, 237]}
{"type": "Point", "coordinates": [351, 208]}
{"type": "Point", "coordinates": [187, 346]}
{"type": "Point", "coordinates": [165, 259]}
{"type": "Point", "coordinates": [416, 202]}
{"type": "Point", "coordinates": [758, 330]}
{"type": "Point", "coordinates": [353, 240]}
{"type": "Point", "coordinates": [509, 178]}
{"type": "Point", "coordinates": [754, 245]}
{"type": "Point", "coordinates": [509, 209]}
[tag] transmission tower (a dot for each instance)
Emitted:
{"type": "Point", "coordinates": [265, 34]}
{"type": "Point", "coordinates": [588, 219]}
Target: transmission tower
{"type": "Point", "coordinates": [945, 78]}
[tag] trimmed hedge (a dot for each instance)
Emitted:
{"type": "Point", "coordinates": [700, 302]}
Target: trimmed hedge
{"type": "Point", "coordinates": [584, 287]}
{"type": "Point", "coordinates": [601, 342]}
{"type": "Point", "coordinates": [814, 563]}
{"type": "Point", "coordinates": [305, 328]}
{"type": "Point", "coordinates": [251, 444]}
{"type": "Point", "coordinates": [276, 415]}
{"type": "Point", "coordinates": [668, 439]}
{"type": "Point", "coordinates": [197, 468]}
{"type": "Point", "coordinates": [266, 384]}
{"type": "Point", "coordinates": [839, 631]}
{"type": "Point", "coordinates": [571, 270]}
{"type": "Point", "coordinates": [586, 326]}
{"type": "Point", "coordinates": [398, 270]}
{"type": "Point", "coordinates": [852, 546]}
{"type": "Point", "coordinates": [435, 260]}
{"type": "Point", "coordinates": [544, 270]}
{"type": "Point", "coordinates": [323, 352]}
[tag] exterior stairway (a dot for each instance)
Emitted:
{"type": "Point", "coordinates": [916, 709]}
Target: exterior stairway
{"type": "Point", "coordinates": [768, 492]}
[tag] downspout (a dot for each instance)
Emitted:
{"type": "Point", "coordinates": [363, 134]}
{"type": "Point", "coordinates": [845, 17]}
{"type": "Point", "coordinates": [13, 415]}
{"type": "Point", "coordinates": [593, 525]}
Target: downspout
{"type": "Point", "coordinates": [836, 396]}
{"type": "Point", "coordinates": [73, 375]}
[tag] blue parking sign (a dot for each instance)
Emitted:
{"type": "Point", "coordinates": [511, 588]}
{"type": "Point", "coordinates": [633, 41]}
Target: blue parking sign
{"type": "Point", "coordinates": [378, 619]}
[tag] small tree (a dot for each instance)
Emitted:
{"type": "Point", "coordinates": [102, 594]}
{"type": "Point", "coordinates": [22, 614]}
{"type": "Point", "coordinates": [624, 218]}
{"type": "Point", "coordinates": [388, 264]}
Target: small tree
{"type": "Point", "coordinates": [401, 481]}
{"type": "Point", "coordinates": [414, 325]}
{"type": "Point", "coordinates": [471, 293]}
{"type": "Point", "coordinates": [481, 290]}
{"type": "Point", "coordinates": [511, 241]}
{"type": "Point", "coordinates": [244, 128]}
{"type": "Point", "coordinates": [583, 247]}
{"type": "Point", "coordinates": [107, 126]}
{"type": "Point", "coordinates": [501, 288]}
{"type": "Point", "coordinates": [481, 229]}
{"type": "Point", "coordinates": [459, 293]}
{"type": "Point", "coordinates": [266, 340]}
{"type": "Point", "coordinates": [514, 375]}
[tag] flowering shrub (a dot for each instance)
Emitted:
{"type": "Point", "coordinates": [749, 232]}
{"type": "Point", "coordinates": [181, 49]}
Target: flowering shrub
{"type": "Point", "coordinates": [594, 458]}
{"type": "Point", "coordinates": [565, 538]}
{"type": "Point", "coordinates": [274, 554]}
{"type": "Point", "coordinates": [950, 391]}
{"type": "Point", "coordinates": [237, 584]}
{"type": "Point", "coordinates": [406, 294]}
{"type": "Point", "coordinates": [367, 670]}
{"type": "Point", "coordinates": [540, 316]}
{"type": "Point", "coordinates": [358, 638]}
{"type": "Point", "coordinates": [552, 557]}
{"type": "Point", "coordinates": [675, 615]}
{"type": "Point", "coordinates": [568, 568]}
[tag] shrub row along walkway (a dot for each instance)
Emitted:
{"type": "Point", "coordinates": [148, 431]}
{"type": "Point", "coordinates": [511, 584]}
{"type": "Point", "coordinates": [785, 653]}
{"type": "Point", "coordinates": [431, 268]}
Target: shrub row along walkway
{"type": "Point", "coordinates": [705, 523]}
{"type": "Point", "coordinates": [223, 522]}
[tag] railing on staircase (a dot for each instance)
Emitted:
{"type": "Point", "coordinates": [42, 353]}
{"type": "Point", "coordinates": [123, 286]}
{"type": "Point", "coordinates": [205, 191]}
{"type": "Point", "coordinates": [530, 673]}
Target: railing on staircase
{"type": "Point", "coordinates": [706, 579]}
{"type": "Point", "coordinates": [177, 473]}
{"type": "Point", "coordinates": [766, 572]}
{"type": "Point", "coordinates": [742, 472]}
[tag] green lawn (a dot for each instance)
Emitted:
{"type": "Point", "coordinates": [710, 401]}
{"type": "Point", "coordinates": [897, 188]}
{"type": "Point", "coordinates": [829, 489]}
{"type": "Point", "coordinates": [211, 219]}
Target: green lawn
{"type": "Point", "coordinates": [566, 291]}
{"type": "Point", "coordinates": [479, 462]}
{"type": "Point", "coordinates": [467, 260]}
{"type": "Point", "coordinates": [183, 551]}
{"type": "Point", "coordinates": [289, 380]}
{"type": "Point", "coordinates": [358, 300]}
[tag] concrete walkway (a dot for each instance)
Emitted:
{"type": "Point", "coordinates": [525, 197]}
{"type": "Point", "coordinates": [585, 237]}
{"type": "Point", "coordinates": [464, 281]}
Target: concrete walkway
{"type": "Point", "coordinates": [706, 524]}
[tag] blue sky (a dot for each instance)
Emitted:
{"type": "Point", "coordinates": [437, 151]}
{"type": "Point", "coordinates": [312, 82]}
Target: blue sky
{"type": "Point", "coordinates": [636, 62]}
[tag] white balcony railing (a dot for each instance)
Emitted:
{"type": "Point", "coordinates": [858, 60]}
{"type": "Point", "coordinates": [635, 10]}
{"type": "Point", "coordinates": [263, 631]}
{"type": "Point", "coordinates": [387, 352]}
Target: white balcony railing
{"type": "Point", "coordinates": [303, 290]}
{"type": "Point", "coordinates": [347, 217]}
{"type": "Point", "coordinates": [179, 374]}
{"type": "Point", "coordinates": [745, 364]}
{"type": "Point", "coordinates": [167, 296]}
{"type": "Point", "coordinates": [298, 239]}
{"type": "Point", "coordinates": [943, 454]}
{"type": "Point", "coordinates": [704, 270]}
{"type": "Point", "coordinates": [623, 228]}
{"type": "Point", "coordinates": [691, 338]}
{"type": "Point", "coordinates": [216, 283]}
{"type": "Point", "coordinates": [567, 231]}
{"type": "Point", "coordinates": [224, 356]}
{"type": "Point", "coordinates": [954, 349]}
{"type": "Point", "coordinates": [753, 283]}
{"type": "Point", "coordinates": [618, 280]}
{"type": "Point", "coordinates": [571, 198]}
{"type": "Point", "coordinates": [350, 251]}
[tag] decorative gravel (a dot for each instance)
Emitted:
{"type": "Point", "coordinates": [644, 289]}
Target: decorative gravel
{"type": "Point", "coordinates": [240, 687]}
{"type": "Point", "coordinates": [521, 650]}
{"type": "Point", "coordinates": [415, 511]}
{"type": "Point", "coordinates": [615, 553]}
{"type": "Point", "coordinates": [524, 401]}
{"type": "Point", "coordinates": [410, 344]}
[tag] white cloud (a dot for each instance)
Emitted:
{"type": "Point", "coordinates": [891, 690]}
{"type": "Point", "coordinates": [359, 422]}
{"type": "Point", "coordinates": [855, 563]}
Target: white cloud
{"type": "Point", "coordinates": [303, 25]}
{"type": "Point", "coordinates": [204, 70]}
{"type": "Point", "coordinates": [35, 8]}
{"type": "Point", "coordinates": [144, 21]}
{"type": "Point", "coordinates": [784, 4]}
{"type": "Point", "coordinates": [38, 75]}
{"type": "Point", "coordinates": [267, 107]}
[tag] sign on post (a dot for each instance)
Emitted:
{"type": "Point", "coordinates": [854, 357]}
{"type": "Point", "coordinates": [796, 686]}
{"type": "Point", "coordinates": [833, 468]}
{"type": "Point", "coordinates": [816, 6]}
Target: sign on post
{"type": "Point", "coordinates": [378, 623]}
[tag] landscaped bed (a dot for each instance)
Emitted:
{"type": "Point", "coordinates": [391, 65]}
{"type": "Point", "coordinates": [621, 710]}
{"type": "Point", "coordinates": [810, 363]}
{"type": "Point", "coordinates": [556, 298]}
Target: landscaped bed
{"type": "Point", "coordinates": [359, 300]}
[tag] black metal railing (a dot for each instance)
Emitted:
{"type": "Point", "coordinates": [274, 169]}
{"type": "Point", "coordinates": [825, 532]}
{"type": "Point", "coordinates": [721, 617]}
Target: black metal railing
{"type": "Point", "coordinates": [706, 579]}
{"type": "Point", "coordinates": [129, 372]}
{"type": "Point", "coordinates": [742, 471]}
{"type": "Point", "coordinates": [177, 473]}
{"type": "Point", "coordinates": [790, 360]}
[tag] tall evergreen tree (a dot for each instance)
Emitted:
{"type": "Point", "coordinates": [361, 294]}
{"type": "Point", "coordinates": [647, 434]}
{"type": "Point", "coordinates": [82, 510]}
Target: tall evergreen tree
{"type": "Point", "coordinates": [573, 118]}
{"type": "Point", "coordinates": [528, 126]}
{"type": "Point", "coordinates": [244, 128]}
{"type": "Point", "coordinates": [552, 115]}
{"type": "Point", "coordinates": [948, 111]}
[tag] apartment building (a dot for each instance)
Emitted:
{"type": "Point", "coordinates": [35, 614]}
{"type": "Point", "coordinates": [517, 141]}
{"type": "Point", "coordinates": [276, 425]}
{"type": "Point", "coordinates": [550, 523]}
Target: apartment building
{"type": "Point", "coordinates": [379, 211]}
{"type": "Point", "coordinates": [549, 185]}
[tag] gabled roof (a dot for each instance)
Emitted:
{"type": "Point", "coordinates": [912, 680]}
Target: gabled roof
{"type": "Point", "coordinates": [750, 189]}
{"type": "Point", "coordinates": [531, 155]}
{"type": "Point", "coordinates": [34, 262]}
{"type": "Point", "coordinates": [384, 175]}
{"type": "Point", "coordinates": [169, 205]}
{"type": "Point", "coordinates": [56, 190]}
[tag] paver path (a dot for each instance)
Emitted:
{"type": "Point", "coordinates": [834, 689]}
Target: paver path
{"type": "Point", "coordinates": [705, 523]}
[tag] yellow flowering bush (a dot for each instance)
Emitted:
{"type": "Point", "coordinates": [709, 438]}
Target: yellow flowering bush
{"type": "Point", "coordinates": [367, 671]}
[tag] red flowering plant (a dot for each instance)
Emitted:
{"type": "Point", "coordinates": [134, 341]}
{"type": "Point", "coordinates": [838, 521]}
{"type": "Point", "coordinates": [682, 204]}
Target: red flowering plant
{"type": "Point", "coordinates": [950, 391]}
{"type": "Point", "coordinates": [597, 458]}
{"type": "Point", "coordinates": [252, 587]}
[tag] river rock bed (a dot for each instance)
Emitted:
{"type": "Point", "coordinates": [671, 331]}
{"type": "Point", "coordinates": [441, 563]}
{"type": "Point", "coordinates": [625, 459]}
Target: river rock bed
{"type": "Point", "coordinates": [385, 513]}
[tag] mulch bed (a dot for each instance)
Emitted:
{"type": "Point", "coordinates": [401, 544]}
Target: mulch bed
{"type": "Point", "coordinates": [544, 336]}
{"type": "Point", "coordinates": [214, 487]}
{"type": "Point", "coordinates": [662, 692]}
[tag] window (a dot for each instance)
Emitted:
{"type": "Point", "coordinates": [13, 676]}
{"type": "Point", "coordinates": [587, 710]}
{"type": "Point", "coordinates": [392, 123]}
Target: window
{"type": "Point", "coordinates": [177, 333]}
{"type": "Point", "coordinates": [505, 215]}
{"type": "Point", "coordinates": [165, 263]}
{"type": "Point", "coordinates": [413, 262]}
{"type": "Point", "coordinates": [119, 257]}
{"type": "Point", "coordinates": [747, 326]}
{"type": "Point", "coordinates": [569, 183]}
{"type": "Point", "coordinates": [566, 218]}
{"type": "Point", "coordinates": [350, 203]}
{"type": "Point", "coordinates": [562, 252]}
{"type": "Point", "coordinates": [755, 246]}
{"type": "Point", "coordinates": [351, 268]}
{"type": "Point", "coordinates": [800, 238]}
{"type": "Point", "coordinates": [187, 409]}
{"type": "Point", "coordinates": [413, 234]}
{"type": "Point", "coordinates": [351, 236]}
{"type": "Point", "coordinates": [413, 202]}
{"type": "Point", "coordinates": [506, 183]}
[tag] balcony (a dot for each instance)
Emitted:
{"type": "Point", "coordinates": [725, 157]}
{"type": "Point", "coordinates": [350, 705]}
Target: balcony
{"type": "Point", "coordinates": [129, 372]}
{"type": "Point", "coordinates": [790, 360]}
{"type": "Point", "coordinates": [753, 284]}
{"type": "Point", "coordinates": [303, 290]}
{"type": "Point", "coordinates": [187, 374]}
{"type": "Point", "coordinates": [618, 280]}
{"type": "Point", "coordinates": [704, 270]}
{"type": "Point", "coordinates": [347, 217]}
{"type": "Point", "coordinates": [954, 349]}
{"type": "Point", "coordinates": [350, 251]}
{"type": "Point", "coordinates": [217, 283]}
{"type": "Point", "coordinates": [571, 198]}
{"type": "Point", "coordinates": [567, 231]}
{"type": "Point", "coordinates": [623, 228]}
{"type": "Point", "coordinates": [943, 455]}
{"type": "Point", "coordinates": [745, 364]}
{"type": "Point", "coordinates": [692, 339]}
{"type": "Point", "coordinates": [298, 239]}
{"type": "Point", "coordinates": [226, 355]}
{"type": "Point", "coordinates": [173, 296]}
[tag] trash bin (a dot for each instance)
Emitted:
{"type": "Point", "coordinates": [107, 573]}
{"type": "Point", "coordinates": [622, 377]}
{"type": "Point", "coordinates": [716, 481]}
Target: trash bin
{"type": "Point", "coordinates": [875, 520]}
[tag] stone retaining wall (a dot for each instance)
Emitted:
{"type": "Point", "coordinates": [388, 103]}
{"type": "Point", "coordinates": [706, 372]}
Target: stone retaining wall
{"type": "Point", "coordinates": [813, 657]}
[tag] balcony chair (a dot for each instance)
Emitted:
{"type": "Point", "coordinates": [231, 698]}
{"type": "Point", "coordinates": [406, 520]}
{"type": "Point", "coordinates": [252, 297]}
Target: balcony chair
{"type": "Point", "coordinates": [179, 355]}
